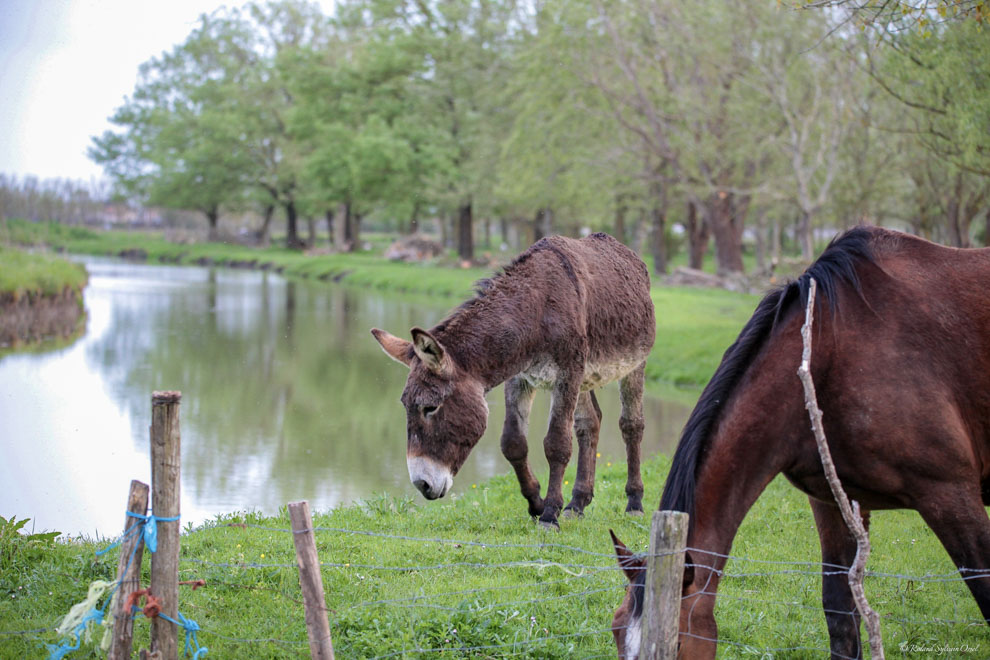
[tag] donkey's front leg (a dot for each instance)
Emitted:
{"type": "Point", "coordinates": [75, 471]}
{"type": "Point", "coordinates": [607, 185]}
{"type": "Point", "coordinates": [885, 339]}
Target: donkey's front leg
{"type": "Point", "coordinates": [557, 443]}
{"type": "Point", "coordinates": [518, 401]}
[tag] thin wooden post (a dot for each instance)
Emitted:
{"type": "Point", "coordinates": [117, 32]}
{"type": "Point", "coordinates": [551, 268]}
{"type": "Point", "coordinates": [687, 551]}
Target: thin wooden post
{"type": "Point", "coordinates": [165, 486]}
{"type": "Point", "coordinates": [128, 573]}
{"type": "Point", "coordinates": [311, 581]}
{"type": "Point", "coordinates": [664, 578]}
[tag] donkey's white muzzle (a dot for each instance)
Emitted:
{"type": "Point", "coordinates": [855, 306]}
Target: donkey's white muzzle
{"type": "Point", "coordinates": [429, 477]}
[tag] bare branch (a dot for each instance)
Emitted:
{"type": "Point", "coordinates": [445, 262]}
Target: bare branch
{"type": "Point", "coordinates": [850, 512]}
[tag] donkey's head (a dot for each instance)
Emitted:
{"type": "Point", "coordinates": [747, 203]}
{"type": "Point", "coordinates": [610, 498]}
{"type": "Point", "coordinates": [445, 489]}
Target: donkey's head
{"type": "Point", "coordinates": [446, 411]}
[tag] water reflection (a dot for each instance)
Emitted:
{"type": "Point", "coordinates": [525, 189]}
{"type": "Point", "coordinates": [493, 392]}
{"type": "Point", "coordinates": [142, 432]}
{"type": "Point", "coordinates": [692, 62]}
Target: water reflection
{"type": "Point", "coordinates": [285, 396]}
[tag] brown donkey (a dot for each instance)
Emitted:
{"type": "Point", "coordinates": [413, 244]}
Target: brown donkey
{"type": "Point", "coordinates": [566, 315]}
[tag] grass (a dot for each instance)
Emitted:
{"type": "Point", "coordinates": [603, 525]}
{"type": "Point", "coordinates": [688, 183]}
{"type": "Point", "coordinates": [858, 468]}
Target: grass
{"type": "Point", "coordinates": [23, 273]}
{"type": "Point", "coordinates": [525, 592]}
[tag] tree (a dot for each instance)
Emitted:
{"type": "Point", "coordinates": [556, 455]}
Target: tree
{"type": "Point", "coordinates": [177, 146]}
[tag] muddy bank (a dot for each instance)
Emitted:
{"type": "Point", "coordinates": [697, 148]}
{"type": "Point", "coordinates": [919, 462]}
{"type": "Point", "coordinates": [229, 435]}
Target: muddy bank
{"type": "Point", "coordinates": [34, 317]}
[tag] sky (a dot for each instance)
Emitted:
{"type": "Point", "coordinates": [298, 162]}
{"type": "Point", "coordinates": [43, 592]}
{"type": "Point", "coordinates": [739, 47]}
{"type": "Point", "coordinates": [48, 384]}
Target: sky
{"type": "Point", "coordinates": [66, 65]}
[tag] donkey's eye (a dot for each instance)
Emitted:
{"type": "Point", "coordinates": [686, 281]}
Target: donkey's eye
{"type": "Point", "coordinates": [429, 411]}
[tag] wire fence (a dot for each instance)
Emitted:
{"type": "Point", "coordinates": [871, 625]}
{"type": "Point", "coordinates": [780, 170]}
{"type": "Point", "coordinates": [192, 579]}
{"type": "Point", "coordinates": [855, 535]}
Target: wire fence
{"type": "Point", "coordinates": [521, 600]}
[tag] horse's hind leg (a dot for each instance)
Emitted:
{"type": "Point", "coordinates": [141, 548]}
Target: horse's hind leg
{"type": "Point", "coordinates": [838, 553]}
{"type": "Point", "coordinates": [956, 515]}
{"type": "Point", "coordinates": [587, 423]}
{"type": "Point", "coordinates": [631, 424]}
{"type": "Point", "coordinates": [518, 402]}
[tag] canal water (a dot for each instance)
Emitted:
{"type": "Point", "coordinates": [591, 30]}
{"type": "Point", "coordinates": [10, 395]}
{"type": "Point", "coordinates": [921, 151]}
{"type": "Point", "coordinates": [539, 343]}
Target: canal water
{"type": "Point", "coordinates": [285, 396]}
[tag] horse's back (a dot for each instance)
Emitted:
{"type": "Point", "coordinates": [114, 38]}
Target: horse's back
{"type": "Point", "coordinates": [909, 361]}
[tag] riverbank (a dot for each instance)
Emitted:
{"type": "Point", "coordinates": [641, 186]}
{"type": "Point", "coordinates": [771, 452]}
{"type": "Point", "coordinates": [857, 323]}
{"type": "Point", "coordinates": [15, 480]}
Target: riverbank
{"type": "Point", "coordinates": [473, 576]}
{"type": "Point", "coordinates": [40, 297]}
{"type": "Point", "coordinates": [694, 325]}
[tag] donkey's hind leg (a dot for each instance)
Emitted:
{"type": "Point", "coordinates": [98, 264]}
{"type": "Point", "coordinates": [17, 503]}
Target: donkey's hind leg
{"type": "Point", "coordinates": [838, 553]}
{"type": "Point", "coordinates": [518, 402]}
{"type": "Point", "coordinates": [587, 423]}
{"type": "Point", "coordinates": [631, 424]}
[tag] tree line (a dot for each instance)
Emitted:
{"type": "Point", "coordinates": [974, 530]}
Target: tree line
{"type": "Point", "coordinates": [666, 123]}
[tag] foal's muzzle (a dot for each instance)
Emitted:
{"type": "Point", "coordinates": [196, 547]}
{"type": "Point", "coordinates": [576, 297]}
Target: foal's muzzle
{"type": "Point", "coordinates": [432, 479]}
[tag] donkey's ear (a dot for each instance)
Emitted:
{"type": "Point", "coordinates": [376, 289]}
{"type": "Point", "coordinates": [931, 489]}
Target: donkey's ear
{"type": "Point", "coordinates": [394, 347]}
{"type": "Point", "coordinates": [631, 564]}
{"type": "Point", "coordinates": [430, 351]}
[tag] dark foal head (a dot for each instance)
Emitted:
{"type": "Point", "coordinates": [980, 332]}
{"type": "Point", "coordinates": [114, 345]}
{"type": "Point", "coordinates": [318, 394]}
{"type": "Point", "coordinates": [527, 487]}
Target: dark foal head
{"type": "Point", "coordinates": [627, 622]}
{"type": "Point", "coordinates": [628, 619]}
{"type": "Point", "coordinates": [446, 411]}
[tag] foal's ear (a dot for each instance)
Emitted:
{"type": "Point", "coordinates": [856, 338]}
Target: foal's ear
{"type": "Point", "coordinates": [688, 571]}
{"type": "Point", "coordinates": [394, 347]}
{"type": "Point", "coordinates": [430, 351]}
{"type": "Point", "coordinates": [631, 564]}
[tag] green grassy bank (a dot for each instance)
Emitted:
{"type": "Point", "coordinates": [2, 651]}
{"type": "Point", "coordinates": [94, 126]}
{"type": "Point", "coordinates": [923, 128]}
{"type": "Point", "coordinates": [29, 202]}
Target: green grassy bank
{"type": "Point", "coordinates": [473, 577]}
{"type": "Point", "coordinates": [23, 274]}
{"type": "Point", "coordinates": [694, 326]}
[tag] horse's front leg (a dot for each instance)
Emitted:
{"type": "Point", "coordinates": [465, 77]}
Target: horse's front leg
{"type": "Point", "coordinates": [518, 402]}
{"type": "Point", "coordinates": [587, 423]}
{"type": "Point", "coordinates": [557, 443]}
{"type": "Point", "coordinates": [838, 553]}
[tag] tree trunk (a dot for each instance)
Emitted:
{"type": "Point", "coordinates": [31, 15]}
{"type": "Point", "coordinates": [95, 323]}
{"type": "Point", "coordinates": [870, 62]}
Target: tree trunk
{"type": "Point", "coordinates": [291, 226]}
{"type": "Point", "coordinates": [266, 225]}
{"type": "Point", "coordinates": [805, 236]}
{"type": "Point", "coordinates": [638, 231]}
{"type": "Point", "coordinates": [658, 227]}
{"type": "Point", "coordinates": [727, 230]}
{"type": "Point", "coordinates": [504, 229]}
{"type": "Point", "coordinates": [986, 229]}
{"type": "Point", "coordinates": [213, 219]}
{"type": "Point", "coordinates": [311, 230]}
{"type": "Point", "coordinates": [329, 217]}
{"type": "Point", "coordinates": [465, 232]}
{"type": "Point", "coordinates": [761, 241]}
{"type": "Point", "coordinates": [349, 233]}
{"type": "Point", "coordinates": [620, 219]}
{"type": "Point", "coordinates": [542, 223]}
{"type": "Point", "coordinates": [658, 240]}
{"type": "Point", "coordinates": [699, 233]}
{"type": "Point", "coordinates": [414, 219]}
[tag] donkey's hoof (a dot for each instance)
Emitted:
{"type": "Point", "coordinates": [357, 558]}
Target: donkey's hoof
{"type": "Point", "coordinates": [551, 525]}
{"type": "Point", "coordinates": [634, 512]}
{"type": "Point", "coordinates": [570, 512]}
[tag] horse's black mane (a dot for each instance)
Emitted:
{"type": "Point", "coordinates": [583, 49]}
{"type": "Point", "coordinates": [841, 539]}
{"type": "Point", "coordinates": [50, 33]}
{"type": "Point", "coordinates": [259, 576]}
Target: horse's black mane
{"type": "Point", "coordinates": [837, 265]}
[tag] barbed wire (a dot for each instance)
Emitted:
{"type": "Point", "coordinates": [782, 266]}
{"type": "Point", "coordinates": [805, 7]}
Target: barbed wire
{"type": "Point", "coordinates": [971, 573]}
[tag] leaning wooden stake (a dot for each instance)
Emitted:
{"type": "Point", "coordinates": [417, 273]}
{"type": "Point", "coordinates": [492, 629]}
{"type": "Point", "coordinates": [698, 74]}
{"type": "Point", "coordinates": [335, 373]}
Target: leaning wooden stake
{"type": "Point", "coordinates": [165, 485]}
{"type": "Point", "coordinates": [128, 573]}
{"type": "Point", "coordinates": [664, 577]}
{"type": "Point", "coordinates": [311, 581]}
{"type": "Point", "coordinates": [850, 511]}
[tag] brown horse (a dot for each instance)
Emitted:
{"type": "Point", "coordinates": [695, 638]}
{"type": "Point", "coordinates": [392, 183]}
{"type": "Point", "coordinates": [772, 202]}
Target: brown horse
{"type": "Point", "coordinates": [902, 371]}
{"type": "Point", "coordinates": [566, 315]}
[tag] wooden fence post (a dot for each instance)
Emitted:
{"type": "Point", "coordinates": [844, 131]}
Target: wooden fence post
{"type": "Point", "coordinates": [311, 581]}
{"type": "Point", "coordinates": [165, 486]}
{"type": "Point", "coordinates": [664, 577]}
{"type": "Point", "coordinates": [128, 573]}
